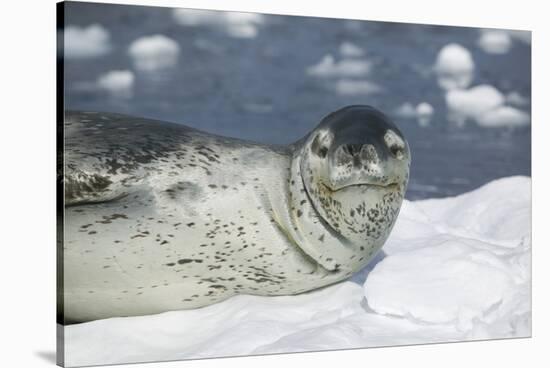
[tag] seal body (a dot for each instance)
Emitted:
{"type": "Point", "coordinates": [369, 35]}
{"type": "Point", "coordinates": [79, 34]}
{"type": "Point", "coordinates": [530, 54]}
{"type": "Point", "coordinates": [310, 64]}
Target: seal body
{"type": "Point", "coordinates": [160, 216]}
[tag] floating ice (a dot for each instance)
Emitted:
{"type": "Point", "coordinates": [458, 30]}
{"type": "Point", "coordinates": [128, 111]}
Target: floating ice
{"type": "Point", "coordinates": [455, 269]}
{"type": "Point", "coordinates": [195, 17]}
{"type": "Point", "coordinates": [117, 82]}
{"type": "Point", "coordinates": [495, 42]}
{"type": "Point", "coordinates": [353, 87]}
{"type": "Point", "coordinates": [235, 24]}
{"type": "Point", "coordinates": [243, 25]}
{"type": "Point", "coordinates": [154, 52]}
{"type": "Point", "coordinates": [327, 67]}
{"type": "Point", "coordinates": [516, 99]}
{"type": "Point", "coordinates": [454, 67]}
{"type": "Point", "coordinates": [348, 49]}
{"type": "Point", "coordinates": [261, 108]}
{"type": "Point", "coordinates": [86, 42]}
{"type": "Point", "coordinates": [473, 102]}
{"type": "Point", "coordinates": [504, 116]}
{"type": "Point", "coordinates": [483, 104]}
{"type": "Point", "coordinates": [523, 36]}
{"type": "Point", "coordinates": [406, 110]}
{"type": "Point", "coordinates": [424, 113]}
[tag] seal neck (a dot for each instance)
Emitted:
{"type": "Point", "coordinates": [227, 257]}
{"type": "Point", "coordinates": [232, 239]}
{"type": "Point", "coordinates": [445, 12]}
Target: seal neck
{"type": "Point", "coordinates": [311, 232]}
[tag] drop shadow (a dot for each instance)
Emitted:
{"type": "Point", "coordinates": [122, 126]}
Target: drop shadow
{"type": "Point", "coordinates": [48, 356]}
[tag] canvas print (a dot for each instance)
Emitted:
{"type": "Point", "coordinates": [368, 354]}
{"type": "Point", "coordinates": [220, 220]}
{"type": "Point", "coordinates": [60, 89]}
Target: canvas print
{"type": "Point", "coordinates": [238, 184]}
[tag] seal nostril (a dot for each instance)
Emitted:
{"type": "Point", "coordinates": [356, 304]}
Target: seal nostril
{"type": "Point", "coordinates": [352, 149]}
{"type": "Point", "coordinates": [343, 155]}
{"type": "Point", "coordinates": [368, 153]}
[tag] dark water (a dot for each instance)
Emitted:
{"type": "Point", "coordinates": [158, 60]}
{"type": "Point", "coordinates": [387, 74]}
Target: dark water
{"type": "Point", "coordinates": [258, 89]}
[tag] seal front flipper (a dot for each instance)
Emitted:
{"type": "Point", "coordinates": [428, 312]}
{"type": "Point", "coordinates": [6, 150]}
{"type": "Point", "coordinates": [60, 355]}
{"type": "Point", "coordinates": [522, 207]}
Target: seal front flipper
{"type": "Point", "coordinates": [82, 187]}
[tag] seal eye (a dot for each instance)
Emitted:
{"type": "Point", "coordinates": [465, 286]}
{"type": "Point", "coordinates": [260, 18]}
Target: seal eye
{"type": "Point", "coordinates": [320, 144]}
{"type": "Point", "coordinates": [395, 144]}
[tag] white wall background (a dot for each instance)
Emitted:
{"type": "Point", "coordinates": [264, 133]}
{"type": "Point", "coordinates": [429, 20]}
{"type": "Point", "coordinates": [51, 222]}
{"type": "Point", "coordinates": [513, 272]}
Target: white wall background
{"type": "Point", "coordinates": [27, 192]}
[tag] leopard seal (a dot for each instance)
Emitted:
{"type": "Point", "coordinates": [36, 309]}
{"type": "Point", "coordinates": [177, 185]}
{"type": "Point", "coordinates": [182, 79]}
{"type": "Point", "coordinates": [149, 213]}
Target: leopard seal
{"type": "Point", "coordinates": [160, 216]}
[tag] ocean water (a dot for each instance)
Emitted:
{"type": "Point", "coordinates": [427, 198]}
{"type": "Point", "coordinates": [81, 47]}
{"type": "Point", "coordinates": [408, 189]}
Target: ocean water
{"type": "Point", "coordinates": [258, 88]}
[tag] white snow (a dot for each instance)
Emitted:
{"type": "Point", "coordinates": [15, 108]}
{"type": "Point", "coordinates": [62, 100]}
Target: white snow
{"type": "Point", "coordinates": [455, 269]}
{"type": "Point", "coordinates": [348, 49]}
{"type": "Point", "coordinates": [117, 82]}
{"type": "Point", "coordinates": [477, 277]}
{"type": "Point", "coordinates": [154, 52]}
{"type": "Point", "coordinates": [235, 24]}
{"type": "Point", "coordinates": [470, 261]}
{"type": "Point", "coordinates": [327, 67]}
{"type": "Point", "coordinates": [495, 41]}
{"type": "Point", "coordinates": [353, 87]}
{"type": "Point", "coordinates": [86, 42]}
{"type": "Point", "coordinates": [483, 104]}
{"type": "Point", "coordinates": [454, 67]}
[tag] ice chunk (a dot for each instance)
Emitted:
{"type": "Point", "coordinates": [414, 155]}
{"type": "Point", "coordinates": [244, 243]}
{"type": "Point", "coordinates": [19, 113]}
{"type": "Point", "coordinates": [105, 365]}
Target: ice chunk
{"type": "Point", "coordinates": [406, 110]}
{"type": "Point", "coordinates": [243, 25]}
{"type": "Point", "coordinates": [523, 36]}
{"type": "Point", "coordinates": [154, 52]}
{"type": "Point", "coordinates": [348, 49]}
{"type": "Point", "coordinates": [424, 113]}
{"type": "Point", "coordinates": [516, 99]}
{"type": "Point", "coordinates": [474, 101]}
{"type": "Point", "coordinates": [495, 42]}
{"type": "Point", "coordinates": [328, 67]}
{"type": "Point", "coordinates": [484, 104]}
{"type": "Point", "coordinates": [86, 42]}
{"type": "Point", "coordinates": [235, 24]}
{"type": "Point", "coordinates": [504, 116]}
{"type": "Point", "coordinates": [195, 17]}
{"type": "Point", "coordinates": [352, 87]}
{"type": "Point", "coordinates": [117, 82]}
{"type": "Point", "coordinates": [454, 67]}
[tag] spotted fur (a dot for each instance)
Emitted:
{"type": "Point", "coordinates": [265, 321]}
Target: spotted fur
{"type": "Point", "coordinates": [163, 217]}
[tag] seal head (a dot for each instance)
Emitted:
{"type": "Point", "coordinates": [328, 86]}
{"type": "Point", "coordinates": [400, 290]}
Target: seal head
{"type": "Point", "coordinates": [354, 167]}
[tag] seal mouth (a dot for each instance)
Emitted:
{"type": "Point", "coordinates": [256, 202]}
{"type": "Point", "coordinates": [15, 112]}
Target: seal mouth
{"type": "Point", "coordinates": [388, 186]}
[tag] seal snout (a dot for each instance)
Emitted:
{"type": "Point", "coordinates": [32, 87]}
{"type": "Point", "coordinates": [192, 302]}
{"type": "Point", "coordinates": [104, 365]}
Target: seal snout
{"type": "Point", "coordinates": [359, 155]}
{"type": "Point", "coordinates": [367, 163]}
{"type": "Point", "coordinates": [355, 164]}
